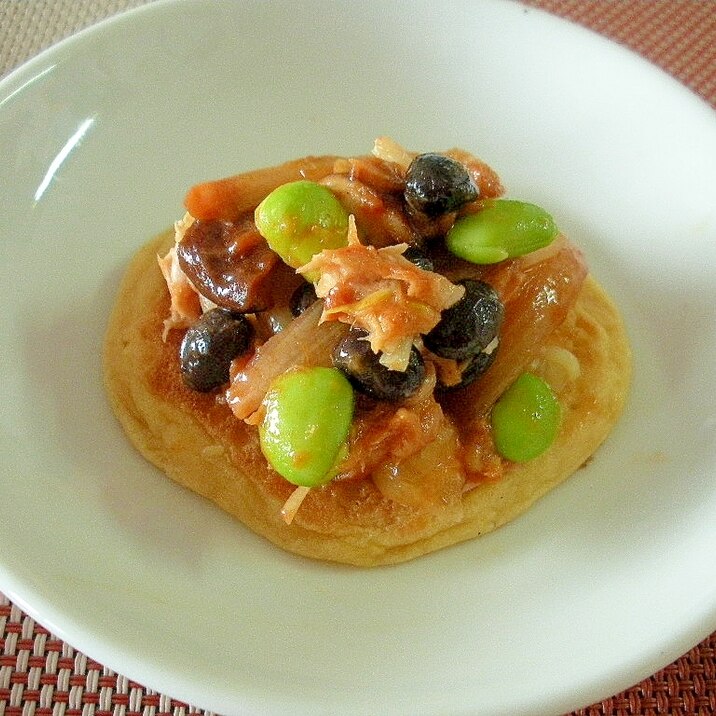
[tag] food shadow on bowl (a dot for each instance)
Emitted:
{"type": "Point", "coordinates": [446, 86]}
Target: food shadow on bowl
{"type": "Point", "coordinates": [657, 459]}
{"type": "Point", "coordinates": [86, 450]}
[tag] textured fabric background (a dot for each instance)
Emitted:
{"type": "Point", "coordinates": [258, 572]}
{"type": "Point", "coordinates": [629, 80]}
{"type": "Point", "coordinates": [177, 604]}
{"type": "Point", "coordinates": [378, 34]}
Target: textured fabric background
{"type": "Point", "coordinates": [43, 676]}
{"type": "Point", "coordinates": [29, 26]}
{"type": "Point", "coordinates": [678, 35]}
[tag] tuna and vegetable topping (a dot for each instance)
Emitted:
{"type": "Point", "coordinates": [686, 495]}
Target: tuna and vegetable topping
{"type": "Point", "coordinates": [329, 285]}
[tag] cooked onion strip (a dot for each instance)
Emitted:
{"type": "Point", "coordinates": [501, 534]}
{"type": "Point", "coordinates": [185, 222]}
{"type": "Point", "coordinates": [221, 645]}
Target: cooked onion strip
{"type": "Point", "coordinates": [235, 196]}
{"type": "Point", "coordinates": [379, 216]}
{"type": "Point", "coordinates": [389, 150]}
{"type": "Point", "coordinates": [302, 343]}
{"type": "Point", "coordinates": [537, 299]}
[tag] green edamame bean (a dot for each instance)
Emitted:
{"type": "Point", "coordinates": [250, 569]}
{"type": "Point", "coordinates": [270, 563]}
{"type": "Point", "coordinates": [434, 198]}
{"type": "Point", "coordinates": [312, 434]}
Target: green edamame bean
{"type": "Point", "coordinates": [501, 229]}
{"type": "Point", "coordinates": [300, 219]}
{"type": "Point", "coordinates": [308, 416]}
{"type": "Point", "coordinates": [525, 419]}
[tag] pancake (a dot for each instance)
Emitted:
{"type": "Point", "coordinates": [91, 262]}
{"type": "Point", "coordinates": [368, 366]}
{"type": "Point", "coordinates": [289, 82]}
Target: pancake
{"type": "Point", "coordinates": [196, 440]}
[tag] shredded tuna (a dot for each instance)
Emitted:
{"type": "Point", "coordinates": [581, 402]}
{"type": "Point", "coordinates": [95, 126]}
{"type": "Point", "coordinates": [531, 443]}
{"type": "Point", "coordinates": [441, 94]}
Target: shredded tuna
{"type": "Point", "coordinates": [383, 293]}
{"type": "Point", "coordinates": [185, 305]}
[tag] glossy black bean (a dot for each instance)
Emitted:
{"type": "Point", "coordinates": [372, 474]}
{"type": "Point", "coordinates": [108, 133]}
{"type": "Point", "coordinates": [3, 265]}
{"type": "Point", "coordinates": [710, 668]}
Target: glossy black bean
{"type": "Point", "coordinates": [436, 184]}
{"type": "Point", "coordinates": [473, 370]}
{"type": "Point", "coordinates": [470, 325]}
{"type": "Point", "coordinates": [419, 258]}
{"type": "Point", "coordinates": [210, 345]}
{"type": "Point", "coordinates": [303, 297]}
{"type": "Point", "coordinates": [362, 367]}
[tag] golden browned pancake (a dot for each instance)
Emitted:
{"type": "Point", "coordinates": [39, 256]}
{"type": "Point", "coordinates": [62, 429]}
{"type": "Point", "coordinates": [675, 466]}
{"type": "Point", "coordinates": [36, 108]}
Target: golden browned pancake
{"type": "Point", "coordinates": [196, 440]}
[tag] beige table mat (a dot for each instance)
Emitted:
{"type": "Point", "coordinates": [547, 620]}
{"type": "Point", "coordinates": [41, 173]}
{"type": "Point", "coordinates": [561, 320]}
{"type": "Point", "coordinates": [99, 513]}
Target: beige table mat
{"type": "Point", "coordinates": [40, 675]}
{"type": "Point", "coordinates": [29, 26]}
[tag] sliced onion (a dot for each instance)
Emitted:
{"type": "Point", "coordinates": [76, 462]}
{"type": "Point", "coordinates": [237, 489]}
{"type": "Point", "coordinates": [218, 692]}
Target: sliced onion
{"type": "Point", "coordinates": [304, 342]}
{"type": "Point", "coordinates": [537, 297]}
{"type": "Point", "coordinates": [234, 196]}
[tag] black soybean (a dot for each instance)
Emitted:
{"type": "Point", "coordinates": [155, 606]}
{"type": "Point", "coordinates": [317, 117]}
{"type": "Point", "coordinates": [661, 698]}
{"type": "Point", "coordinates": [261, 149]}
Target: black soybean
{"type": "Point", "coordinates": [469, 326]}
{"type": "Point", "coordinates": [473, 370]}
{"type": "Point", "coordinates": [419, 258]}
{"type": "Point", "coordinates": [210, 345]}
{"type": "Point", "coordinates": [436, 184]}
{"type": "Point", "coordinates": [354, 356]}
{"type": "Point", "coordinates": [301, 299]}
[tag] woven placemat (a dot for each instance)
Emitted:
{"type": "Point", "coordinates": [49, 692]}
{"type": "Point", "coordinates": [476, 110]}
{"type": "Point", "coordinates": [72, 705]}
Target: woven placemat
{"type": "Point", "coordinates": [29, 26]}
{"type": "Point", "coordinates": [40, 675]}
{"type": "Point", "coordinates": [677, 35]}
